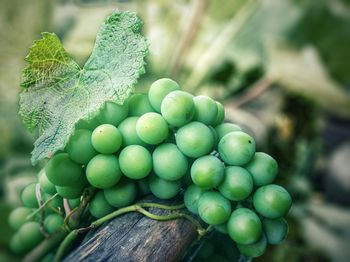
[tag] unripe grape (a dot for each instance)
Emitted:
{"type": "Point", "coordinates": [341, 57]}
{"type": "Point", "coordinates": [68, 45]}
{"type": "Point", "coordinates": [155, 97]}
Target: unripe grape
{"type": "Point", "coordinates": [139, 105]}
{"type": "Point", "coordinates": [215, 136]}
{"type": "Point", "coordinates": [276, 230]}
{"type": "Point", "coordinates": [106, 139]}
{"type": "Point", "coordinates": [162, 188]}
{"type": "Point", "coordinates": [178, 108]}
{"type": "Point", "coordinates": [19, 216]}
{"type": "Point", "coordinates": [30, 235]}
{"type": "Point", "coordinates": [152, 128]}
{"type": "Point", "coordinates": [220, 116]}
{"type": "Point", "coordinates": [28, 196]}
{"type": "Point", "coordinates": [159, 89]}
{"type": "Point", "coordinates": [244, 226]}
{"type": "Point", "coordinates": [71, 192]}
{"type": "Point", "coordinates": [168, 162]}
{"type": "Point", "coordinates": [90, 124]}
{"type": "Point", "coordinates": [54, 204]}
{"type": "Point", "coordinates": [207, 172]}
{"type": "Point", "coordinates": [45, 183]}
{"type": "Point", "coordinates": [236, 148]}
{"type": "Point", "coordinates": [263, 169]}
{"type": "Point", "coordinates": [255, 249]}
{"type": "Point", "coordinates": [99, 207]}
{"type": "Point", "coordinates": [135, 161]}
{"type": "Point", "coordinates": [195, 139]}
{"type": "Point", "coordinates": [225, 128]}
{"type": "Point", "coordinates": [113, 113]}
{"type": "Point", "coordinates": [237, 184]}
{"type": "Point", "coordinates": [272, 201]}
{"type": "Point", "coordinates": [103, 171]}
{"type": "Point", "coordinates": [143, 187]}
{"type": "Point", "coordinates": [213, 208]}
{"type": "Point", "coordinates": [121, 194]}
{"type": "Point", "coordinates": [73, 203]}
{"type": "Point", "coordinates": [79, 147]}
{"type": "Point", "coordinates": [53, 222]}
{"type": "Point", "coordinates": [17, 246]}
{"type": "Point", "coordinates": [191, 198]}
{"type": "Point", "coordinates": [62, 171]}
{"type": "Point", "coordinates": [127, 129]}
{"type": "Point", "coordinates": [206, 109]}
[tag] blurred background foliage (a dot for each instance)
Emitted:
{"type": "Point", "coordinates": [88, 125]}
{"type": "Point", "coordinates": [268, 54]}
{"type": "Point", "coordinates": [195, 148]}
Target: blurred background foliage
{"type": "Point", "coordinates": [281, 67]}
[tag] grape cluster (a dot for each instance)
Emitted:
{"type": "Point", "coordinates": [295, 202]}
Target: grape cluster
{"type": "Point", "coordinates": [160, 143]}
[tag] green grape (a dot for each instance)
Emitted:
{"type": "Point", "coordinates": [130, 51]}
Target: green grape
{"type": "Point", "coordinates": [162, 188]}
{"type": "Point", "coordinates": [244, 226]}
{"type": "Point", "coordinates": [206, 110]}
{"type": "Point", "coordinates": [272, 201]}
{"type": "Point", "coordinates": [159, 89]}
{"type": "Point", "coordinates": [99, 207]}
{"type": "Point", "coordinates": [79, 147]}
{"type": "Point", "coordinates": [73, 203]}
{"type": "Point", "coordinates": [236, 148]}
{"type": "Point", "coordinates": [207, 172]}
{"type": "Point", "coordinates": [255, 249]}
{"type": "Point", "coordinates": [276, 230]}
{"type": "Point", "coordinates": [143, 187]}
{"type": "Point", "coordinates": [168, 162]}
{"type": "Point", "coordinates": [263, 169]}
{"type": "Point", "coordinates": [213, 208]}
{"type": "Point", "coordinates": [103, 171]}
{"type": "Point", "coordinates": [195, 139]}
{"type": "Point", "coordinates": [220, 116]}
{"type": "Point", "coordinates": [191, 198]}
{"type": "Point", "coordinates": [113, 113]}
{"type": "Point", "coordinates": [19, 216]}
{"type": "Point", "coordinates": [62, 171]}
{"type": "Point", "coordinates": [53, 222]}
{"type": "Point", "coordinates": [152, 128]}
{"type": "Point", "coordinates": [28, 196]}
{"type": "Point", "coordinates": [222, 228]}
{"type": "Point", "coordinates": [215, 135]}
{"type": "Point", "coordinates": [178, 108]}
{"type": "Point", "coordinates": [127, 129]}
{"type": "Point", "coordinates": [139, 105]}
{"type": "Point", "coordinates": [90, 124]}
{"type": "Point", "coordinates": [71, 192]}
{"type": "Point", "coordinates": [186, 180]}
{"type": "Point", "coordinates": [54, 204]}
{"type": "Point", "coordinates": [106, 139]}
{"type": "Point", "coordinates": [121, 194]}
{"type": "Point", "coordinates": [30, 235]}
{"type": "Point", "coordinates": [135, 161]}
{"type": "Point", "coordinates": [237, 184]}
{"type": "Point", "coordinates": [17, 246]}
{"type": "Point", "coordinates": [45, 183]}
{"type": "Point", "coordinates": [225, 128]}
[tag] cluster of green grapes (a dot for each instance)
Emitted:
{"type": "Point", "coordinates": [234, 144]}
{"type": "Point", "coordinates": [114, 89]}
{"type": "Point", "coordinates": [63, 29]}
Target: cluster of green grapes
{"type": "Point", "coordinates": [159, 143]}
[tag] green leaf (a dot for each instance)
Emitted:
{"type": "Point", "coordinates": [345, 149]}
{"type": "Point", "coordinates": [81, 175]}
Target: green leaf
{"type": "Point", "coordinates": [58, 93]}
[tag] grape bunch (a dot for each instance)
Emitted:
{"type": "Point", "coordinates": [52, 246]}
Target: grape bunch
{"type": "Point", "coordinates": [163, 143]}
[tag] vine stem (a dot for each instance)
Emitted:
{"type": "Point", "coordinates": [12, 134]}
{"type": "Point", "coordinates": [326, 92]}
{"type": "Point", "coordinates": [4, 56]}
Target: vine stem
{"type": "Point", "coordinates": [42, 206]}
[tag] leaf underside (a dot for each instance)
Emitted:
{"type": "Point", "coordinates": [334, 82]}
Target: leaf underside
{"type": "Point", "coordinates": [58, 92]}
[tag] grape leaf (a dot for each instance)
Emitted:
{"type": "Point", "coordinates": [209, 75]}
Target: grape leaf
{"type": "Point", "coordinates": [58, 93]}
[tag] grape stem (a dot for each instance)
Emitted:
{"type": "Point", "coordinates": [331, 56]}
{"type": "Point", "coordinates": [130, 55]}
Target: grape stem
{"type": "Point", "coordinates": [42, 206]}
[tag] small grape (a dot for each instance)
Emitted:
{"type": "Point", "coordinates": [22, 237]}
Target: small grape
{"type": "Point", "coordinates": [71, 192]}
{"type": "Point", "coordinates": [152, 128]}
{"type": "Point", "coordinates": [168, 162]}
{"type": "Point", "coordinates": [121, 194]}
{"type": "Point", "coordinates": [19, 216]}
{"type": "Point", "coordinates": [178, 108]}
{"type": "Point", "coordinates": [255, 249]}
{"type": "Point", "coordinates": [79, 147]}
{"type": "Point", "coordinates": [263, 169]}
{"type": "Point", "coordinates": [162, 188]}
{"type": "Point", "coordinates": [139, 105]}
{"type": "Point", "coordinates": [215, 136]}
{"type": "Point", "coordinates": [53, 222]}
{"type": "Point", "coordinates": [127, 129]}
{"type": "Point", "coordinates": [237, 184]}
{"type": "Point", "coordinates": [62, 171]}
{"type": "Point", "coordinates": [30, 235]}
{"type": "Point", "coordinates": [135, 161]}
{"type": "Point", "coordinates": [236, 148]}
{"type": "Point", "coordinates": [113, 113]}
{"type": "Point", "coordinates": [207, 172]}
{"type": "Point", "coordinates": [54, 204]}
{"type": "Point", "coordinates": [28, 196]}
{"type": "Point", "coordinates": [195, 139]}
{"type": "Point", "coordinates": [99, 207]}
{"type": "Point", "coordinates": [213, 208]}
{"type": "Point", "coordinates": [73, 203]}
{"type": "Point", "coordinates": [225, 128]}
{"type": "Point", "coordinates": [103, 171]}
{"type": "Point", "coordinates": [220, 116]}
{"type": "Point", "coordinates": [106, 139]}
{"type": "Point", "coordinates": [45, 183]}
{"type": "Point", "coordinates": [272, 201]}
{"type": "Point", "coordinates": [90, 124]}
{"type": "Point", "coordinates": [191, 198]}
{"type": "Point", "coordinates": [17, 246]}
{"type": "Point", "coordinates": [206, 109]}
{"type": "Point", "coordinates": [159, 89]}
{"type": "Point", "coordinates": [143, 187]}
{"type": "Point", "coordinates": [244, 226]}
{"type": "Point", "coordinates": [276, 230]}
